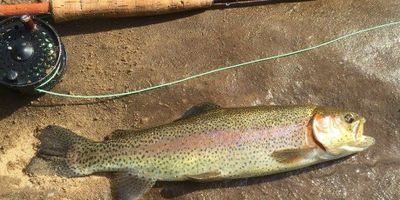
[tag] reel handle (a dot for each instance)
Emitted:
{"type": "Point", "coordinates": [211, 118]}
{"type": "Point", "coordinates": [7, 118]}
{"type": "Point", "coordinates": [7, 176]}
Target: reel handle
{"type": "Point", "coordinates": [75, 9]}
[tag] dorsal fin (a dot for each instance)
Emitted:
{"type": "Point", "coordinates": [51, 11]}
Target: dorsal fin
{"type": "Point", "coordinates": [199, 109]}
{"type": "Point", "coordinates": [119, 133]}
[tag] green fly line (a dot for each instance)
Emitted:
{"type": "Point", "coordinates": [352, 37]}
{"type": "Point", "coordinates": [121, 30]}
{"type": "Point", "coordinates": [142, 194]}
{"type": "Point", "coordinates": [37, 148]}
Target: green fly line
{"type": "Point", "coordinates": [219, 69]}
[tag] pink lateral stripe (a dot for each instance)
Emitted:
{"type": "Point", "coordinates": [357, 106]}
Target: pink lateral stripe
{"type": "Point", "coordinates": [221, 138]}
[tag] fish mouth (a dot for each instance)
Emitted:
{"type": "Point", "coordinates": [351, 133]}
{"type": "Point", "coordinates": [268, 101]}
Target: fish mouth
{"type": "Point", "coordinates": [358, 128]}
{"type": "Point", "coordinates": [367, 141]}
{"type": "Point", "coordinates": [360, 145]}
{"type": "Point", "coordinates": [361, 142]}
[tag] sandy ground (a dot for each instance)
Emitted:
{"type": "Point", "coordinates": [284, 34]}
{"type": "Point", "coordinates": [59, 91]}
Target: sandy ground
{"type": "Point", "coordinates": [105, 56]}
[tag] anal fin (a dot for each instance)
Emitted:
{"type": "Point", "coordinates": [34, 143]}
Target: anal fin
{"type": "Point", "coordinates": [128, 186]}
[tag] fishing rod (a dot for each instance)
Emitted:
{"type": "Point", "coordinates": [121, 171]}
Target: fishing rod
{"type": "Point", "coordinates": [65, 10]}
{"type": "Point", "coordinates": [32, 55]}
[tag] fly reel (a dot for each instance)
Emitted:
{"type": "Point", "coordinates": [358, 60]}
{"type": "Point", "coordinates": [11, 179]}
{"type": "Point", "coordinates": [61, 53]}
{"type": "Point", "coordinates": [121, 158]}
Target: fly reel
{"type": "Point", "coordinates": [31, 54]}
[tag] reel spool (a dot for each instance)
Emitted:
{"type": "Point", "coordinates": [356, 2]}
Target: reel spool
{"type": "Point", "coordinates": [31, 54]}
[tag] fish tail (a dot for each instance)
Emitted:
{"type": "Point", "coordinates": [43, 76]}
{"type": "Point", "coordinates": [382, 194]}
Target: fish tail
{"type": "Point", "coordinates": [58, 148]}
{"type": "Point", "coordinates": [64, 153]}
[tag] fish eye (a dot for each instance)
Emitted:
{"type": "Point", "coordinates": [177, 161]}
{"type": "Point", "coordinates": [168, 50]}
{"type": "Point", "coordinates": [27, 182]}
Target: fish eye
{"type": "Point", "coordinates": [349, 118]}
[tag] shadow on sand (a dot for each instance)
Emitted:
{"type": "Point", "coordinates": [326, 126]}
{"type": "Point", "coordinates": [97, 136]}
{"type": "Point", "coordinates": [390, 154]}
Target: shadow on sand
{"type": "Point", "coordinates": [12, 101]}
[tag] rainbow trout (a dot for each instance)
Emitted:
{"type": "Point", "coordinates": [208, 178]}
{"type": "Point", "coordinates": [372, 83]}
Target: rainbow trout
{"type": "Point", "coordinates": [214, 144]}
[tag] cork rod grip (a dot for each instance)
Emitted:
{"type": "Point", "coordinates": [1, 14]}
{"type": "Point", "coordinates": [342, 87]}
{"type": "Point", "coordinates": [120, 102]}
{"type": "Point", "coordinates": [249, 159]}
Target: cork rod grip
{"type": "Point", "coordinates": [64, 10]}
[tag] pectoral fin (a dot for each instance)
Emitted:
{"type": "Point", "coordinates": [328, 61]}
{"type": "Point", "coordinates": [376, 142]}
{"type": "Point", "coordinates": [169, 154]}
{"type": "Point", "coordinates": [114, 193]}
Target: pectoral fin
{"type": "Point", "coordinates": [128, 186]}
{"type": "Point", "coordinates": [206, 176]}
{"type": "Point", "coordinates": [290, 155]}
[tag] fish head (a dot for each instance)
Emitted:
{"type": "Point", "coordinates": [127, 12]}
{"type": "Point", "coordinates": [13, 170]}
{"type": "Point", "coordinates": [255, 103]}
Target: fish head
{"type": "Point", "coordinates": [340, 133]}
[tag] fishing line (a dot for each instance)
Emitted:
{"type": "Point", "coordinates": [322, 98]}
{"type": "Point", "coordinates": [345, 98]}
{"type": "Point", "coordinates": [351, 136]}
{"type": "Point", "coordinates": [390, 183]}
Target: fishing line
{"type": "Point", "coordinates": [219, 69]}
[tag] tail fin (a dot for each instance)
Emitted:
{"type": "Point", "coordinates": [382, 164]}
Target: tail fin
{"type": "Point", "coordinates": [51, 158]}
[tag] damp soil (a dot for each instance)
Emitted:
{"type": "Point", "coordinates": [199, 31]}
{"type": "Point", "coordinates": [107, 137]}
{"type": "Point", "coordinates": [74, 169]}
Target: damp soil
{"type": "Point", "coordinates": [105, 56]}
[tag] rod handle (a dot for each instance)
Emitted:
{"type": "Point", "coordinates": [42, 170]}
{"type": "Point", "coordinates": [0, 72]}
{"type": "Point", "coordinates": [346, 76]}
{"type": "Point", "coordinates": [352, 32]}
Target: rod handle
{"type": "Point", "coordinates": [75, 9]}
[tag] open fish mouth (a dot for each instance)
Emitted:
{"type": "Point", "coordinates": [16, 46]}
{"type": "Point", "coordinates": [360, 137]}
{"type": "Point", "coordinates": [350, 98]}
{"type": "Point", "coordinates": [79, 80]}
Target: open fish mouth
{"type": "Point", "coordinates": [361, 142]}
{"type": "Point", "coordinates": [358, 128]}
